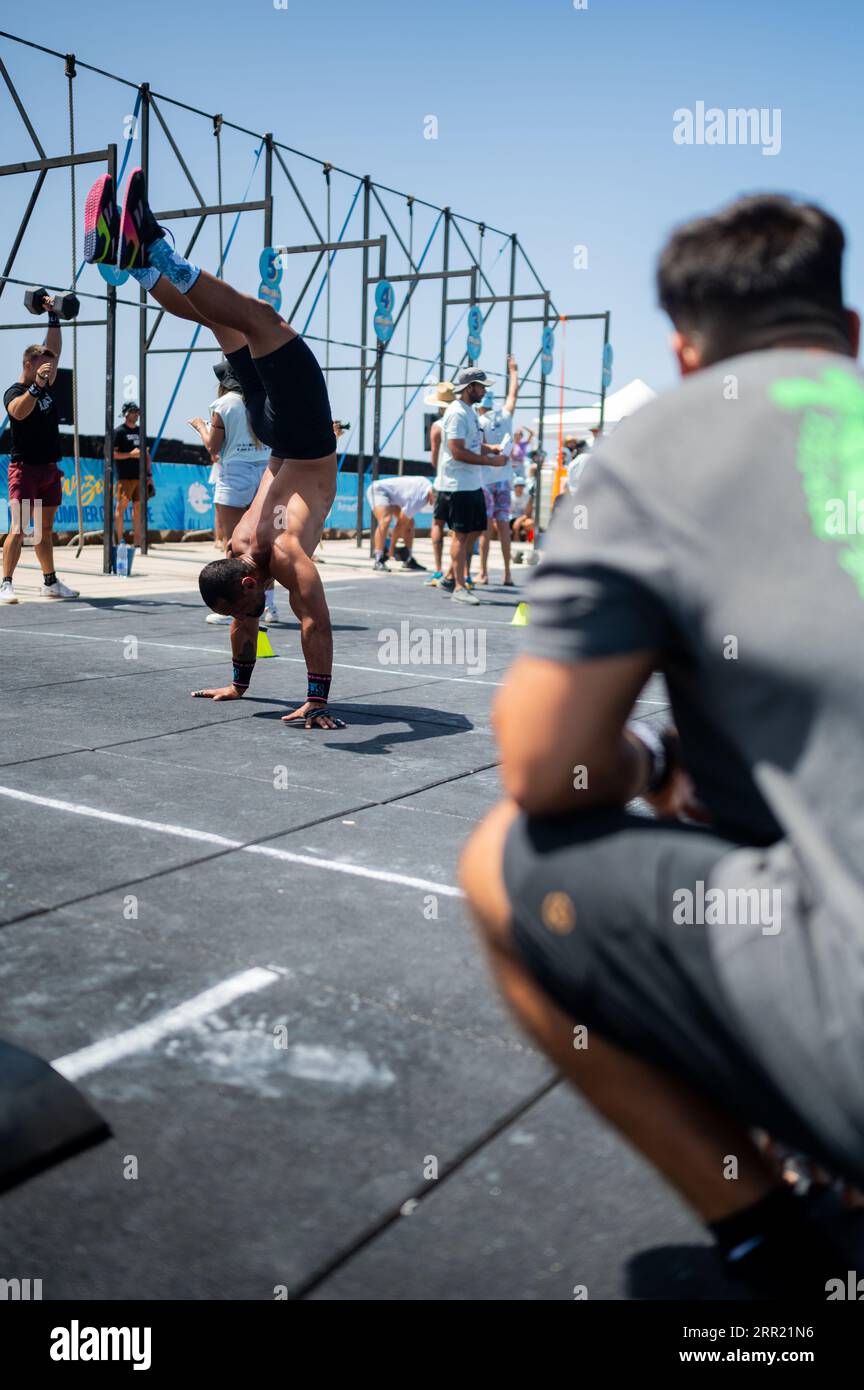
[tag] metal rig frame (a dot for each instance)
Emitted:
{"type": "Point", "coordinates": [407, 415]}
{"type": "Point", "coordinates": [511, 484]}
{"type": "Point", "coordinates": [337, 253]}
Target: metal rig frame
{"type": "Point", "coordinates": [455, 247]}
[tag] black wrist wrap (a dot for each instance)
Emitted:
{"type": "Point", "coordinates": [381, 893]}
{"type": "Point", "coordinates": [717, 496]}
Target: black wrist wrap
{"type": "Point", "coordinates": [243, 674]}
{"type": "Point", "coordinates": [318, 688]}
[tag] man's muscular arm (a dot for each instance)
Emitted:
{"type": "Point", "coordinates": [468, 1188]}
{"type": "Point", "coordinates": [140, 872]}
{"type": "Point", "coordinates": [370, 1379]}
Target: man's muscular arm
{"type": "Point", "coordinates": [309, 605]}
{"type": "Point", "coordinates": [293, 568]}
{"type": "Point", "coordinates": [244, 645]}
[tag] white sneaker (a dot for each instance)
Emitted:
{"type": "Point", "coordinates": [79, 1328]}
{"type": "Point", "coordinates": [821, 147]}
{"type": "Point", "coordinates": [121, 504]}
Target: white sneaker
{"type": "Point", "coordinates": [269, 615]}
{"type": "Point", "coordinates": [7, 593]}
{"type": "Point", "coordinates": [59, 590]}
{"type": "Point", "coordinates": [464, 596]}
{"type": "Point", "coordinates": [217, 620]}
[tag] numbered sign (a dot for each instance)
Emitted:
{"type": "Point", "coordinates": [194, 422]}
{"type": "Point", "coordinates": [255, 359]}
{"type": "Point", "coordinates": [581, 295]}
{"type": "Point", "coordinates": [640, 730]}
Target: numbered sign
{"type": "Point", "coordinates": [112, 275]}
{"type": "Point", "coordinates": [271, 294]}
{"type": "Point", "coordinates": [270, 267]}
{"type": "Point", "coordinates": [383, 327]}
{"type": "Point", "coordinates": [608, 356]}
{"type": "Point", "coordinates": [474, 341]}
{"type": "Point", "coordinates": [385, 297]}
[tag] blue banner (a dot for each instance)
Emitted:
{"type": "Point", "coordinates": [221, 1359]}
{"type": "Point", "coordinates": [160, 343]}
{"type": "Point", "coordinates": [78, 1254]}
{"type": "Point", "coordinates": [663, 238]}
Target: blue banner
{"type": "Point", "coordinates": [183, 501]}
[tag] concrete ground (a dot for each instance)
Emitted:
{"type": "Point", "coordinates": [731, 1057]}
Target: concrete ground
{"type": "Point", "coordinates": [313, 1090]}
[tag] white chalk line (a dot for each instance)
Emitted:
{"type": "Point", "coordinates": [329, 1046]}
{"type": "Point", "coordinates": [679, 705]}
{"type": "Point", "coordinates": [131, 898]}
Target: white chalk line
{"type": "Point", "coordinates": [422, 676]}
{"type": "Point", "coordinates": [426, 617]}
{"type": "Point", "coordinates": [145, 1035]}
{"type": "Point", "coordinates": [334, 866]}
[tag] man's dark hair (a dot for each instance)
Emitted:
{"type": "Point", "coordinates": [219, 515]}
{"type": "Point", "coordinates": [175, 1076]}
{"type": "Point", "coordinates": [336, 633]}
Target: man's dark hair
{"type": "Point", "coordinates": [763, 272]}
{"type": "Point", "coordinates": [219, 581]}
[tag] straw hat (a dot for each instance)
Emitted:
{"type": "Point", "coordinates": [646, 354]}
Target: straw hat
{"type": "Point", "coordinates": [442, 394]}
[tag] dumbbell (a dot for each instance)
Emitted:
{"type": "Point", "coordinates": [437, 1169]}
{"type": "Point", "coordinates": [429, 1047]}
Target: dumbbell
{"type": "Point", "coordinates": [66, 305]}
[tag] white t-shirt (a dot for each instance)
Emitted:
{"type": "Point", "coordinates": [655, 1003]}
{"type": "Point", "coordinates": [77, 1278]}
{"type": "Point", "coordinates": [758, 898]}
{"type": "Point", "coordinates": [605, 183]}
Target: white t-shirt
{"type": "Point", "coordinates": [460, 422]}
{"type": "Point", "coordinates": [519, 505]}
{"type": "Point", "coordinates": [496, 426]}
{"type": "Point", "coordinates": [575, 471]}
{"type": "Point", "coordinates": [410, 492]}
{"type": "Point", "coordinates": [239, 444]}
{"type": "Point", "coordinates": [435, 432]}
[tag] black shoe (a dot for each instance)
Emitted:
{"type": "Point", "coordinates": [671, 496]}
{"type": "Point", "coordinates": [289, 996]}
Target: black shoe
{"type": "Point", "coordinates": [411, 564]}
{"type": "Point", "coordinates": [138, 226]}
{"type": "Point", "coordinates": [817, 1245]}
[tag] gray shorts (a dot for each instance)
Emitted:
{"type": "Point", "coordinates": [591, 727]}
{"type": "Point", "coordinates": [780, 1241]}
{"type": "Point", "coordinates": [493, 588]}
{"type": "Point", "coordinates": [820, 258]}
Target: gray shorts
{"type": "Point", "coordinates": [592, 899]}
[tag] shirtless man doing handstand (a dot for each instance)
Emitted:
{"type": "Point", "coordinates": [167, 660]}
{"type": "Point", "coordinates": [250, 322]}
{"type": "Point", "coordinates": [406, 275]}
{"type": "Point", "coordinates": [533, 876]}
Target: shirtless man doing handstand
{"type": "Point", "coordinates": [289, 411]}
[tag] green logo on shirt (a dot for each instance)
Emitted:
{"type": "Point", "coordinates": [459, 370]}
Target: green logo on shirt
{"type": "Point", "coordinates": [831, 458]}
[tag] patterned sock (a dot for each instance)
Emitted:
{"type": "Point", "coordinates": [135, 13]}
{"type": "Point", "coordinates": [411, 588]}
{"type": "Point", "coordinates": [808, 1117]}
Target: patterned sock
{"type": "Point", "coordinates": [173, 266]}
{"type": "Point", "coordinates": [50, 578]}
{"type": "Point", "coordinates": [146, 277]}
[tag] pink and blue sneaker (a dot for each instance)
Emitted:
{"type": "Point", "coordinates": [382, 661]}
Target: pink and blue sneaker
{"type": "Point", "coordinates": [101, 223]}
{"type": "Point", "coordinates": [138, 227]}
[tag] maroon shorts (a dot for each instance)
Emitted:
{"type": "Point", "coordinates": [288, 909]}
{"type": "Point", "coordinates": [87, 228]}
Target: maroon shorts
{"type": "Point", "coordinates": [36, 482]}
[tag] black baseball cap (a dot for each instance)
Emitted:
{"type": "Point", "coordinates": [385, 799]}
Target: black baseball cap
{"type": "Point", "coordinates": [225, 376]}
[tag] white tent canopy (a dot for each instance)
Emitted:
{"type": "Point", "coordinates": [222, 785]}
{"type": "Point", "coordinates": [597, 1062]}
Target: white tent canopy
{"type": "Point", "coordinates": [580, 420]}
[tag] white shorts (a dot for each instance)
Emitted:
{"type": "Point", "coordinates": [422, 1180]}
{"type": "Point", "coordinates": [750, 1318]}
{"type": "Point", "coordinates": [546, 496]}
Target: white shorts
{"type": "Point", "coordinates": [377, 497]}
{"type": "Point", "coordinates": [238, 482]}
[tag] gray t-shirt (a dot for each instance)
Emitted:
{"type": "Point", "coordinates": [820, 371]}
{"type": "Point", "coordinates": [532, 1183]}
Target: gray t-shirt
{"type": "Point", "coordinates": [720, 527]}
{"type": "Point", "coordinates": [707, 529]}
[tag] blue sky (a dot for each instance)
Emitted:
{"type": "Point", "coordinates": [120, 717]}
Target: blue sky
{"type": "Point", "coordinates": [552, 121]}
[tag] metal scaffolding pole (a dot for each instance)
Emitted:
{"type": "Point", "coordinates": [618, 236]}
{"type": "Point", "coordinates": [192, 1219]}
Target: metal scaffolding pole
{"type": "Point", "coordinates": [110, 353]}
{"type": "Point", "coordinates": [538, 476]}
{"type": "Point", "coordinates": [445, 266]}
{"type": "Point", "coordinates": [142, 334]}
{"type": "Point", "coordinates": [513, 245]}
{"type": "Point", "coordinates": [268, 189]}
{"type": "Point", "coordinates": [380, 349]}
{"type": "Point", "coordinates": [606, 318]}
{"type": "Point", "coordinates": [364, 314]}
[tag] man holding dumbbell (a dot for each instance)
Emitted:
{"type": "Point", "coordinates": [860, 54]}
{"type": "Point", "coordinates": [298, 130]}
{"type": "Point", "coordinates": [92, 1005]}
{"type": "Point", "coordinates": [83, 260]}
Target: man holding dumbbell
{"type": "Point", "coordinates": [34, 477]}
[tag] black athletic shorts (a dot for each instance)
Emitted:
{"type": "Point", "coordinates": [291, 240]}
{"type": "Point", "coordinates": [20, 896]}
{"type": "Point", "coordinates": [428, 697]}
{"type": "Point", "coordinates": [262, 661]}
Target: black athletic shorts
{"type": "Point", "coordinates": [592, 901]}
{"type": "Point", "coordinates": [287, 400]}
{"type": "Point", "coordinates": [461, 511]}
